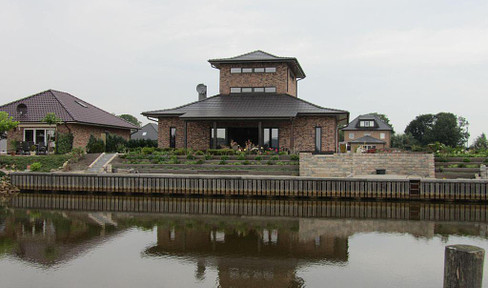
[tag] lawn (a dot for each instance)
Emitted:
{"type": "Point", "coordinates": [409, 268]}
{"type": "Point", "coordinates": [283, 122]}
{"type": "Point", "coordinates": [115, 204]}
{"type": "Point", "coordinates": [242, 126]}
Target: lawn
{"type": "Point", "coordinates": [20, 163]}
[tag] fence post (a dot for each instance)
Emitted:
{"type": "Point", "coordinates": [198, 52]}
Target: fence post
{"type": "Point", "coordinates": [463, 266]}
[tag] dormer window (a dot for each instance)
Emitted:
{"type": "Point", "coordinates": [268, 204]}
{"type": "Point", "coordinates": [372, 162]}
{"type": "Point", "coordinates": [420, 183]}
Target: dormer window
{"type": "Point", "coordinates": [366, 123]}
{"type": "Point", "coordinates": [22, 109]}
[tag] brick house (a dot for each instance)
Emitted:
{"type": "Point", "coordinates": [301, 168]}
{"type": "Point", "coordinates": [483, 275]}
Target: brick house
{"type": "Point", "coordinates": [367, 131]}
{"type": "Point", "coordinates": [78, 117]}
{"type": "Point", "coordinates": [257, 102]}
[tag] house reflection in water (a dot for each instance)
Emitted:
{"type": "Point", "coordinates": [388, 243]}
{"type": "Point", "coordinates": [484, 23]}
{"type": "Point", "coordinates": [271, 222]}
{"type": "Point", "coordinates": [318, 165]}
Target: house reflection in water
{"type": "Point", "coordinates": [248, 256]}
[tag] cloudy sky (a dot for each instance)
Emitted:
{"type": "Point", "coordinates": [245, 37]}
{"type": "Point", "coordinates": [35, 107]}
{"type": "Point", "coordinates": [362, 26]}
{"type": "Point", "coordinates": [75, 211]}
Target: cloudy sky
{"type": "Point", "coordinates": [398, 57]}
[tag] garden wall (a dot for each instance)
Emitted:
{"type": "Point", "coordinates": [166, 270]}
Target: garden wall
{"type": "Point", "coordinates": [357, 164]}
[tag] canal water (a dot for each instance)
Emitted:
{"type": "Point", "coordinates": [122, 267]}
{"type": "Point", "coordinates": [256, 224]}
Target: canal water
{"type": "Point", "coordinates": [125, 241]}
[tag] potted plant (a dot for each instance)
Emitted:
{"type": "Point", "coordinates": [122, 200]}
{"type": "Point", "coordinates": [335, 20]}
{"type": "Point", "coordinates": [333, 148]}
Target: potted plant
{"type": "Point", "coordinates": [33, 149]}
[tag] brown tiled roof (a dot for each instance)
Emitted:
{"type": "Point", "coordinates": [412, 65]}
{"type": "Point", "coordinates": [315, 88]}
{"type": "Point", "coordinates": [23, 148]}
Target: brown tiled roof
{"type": "Point", "coordinates": [66, 107]}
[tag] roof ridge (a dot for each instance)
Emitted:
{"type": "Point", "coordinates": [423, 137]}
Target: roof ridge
{"type": "Point", "coordinates": [61, 103]}
{"type": "Point", "coordinates": [100, 109]}
{"type": "Point", "coordinates": [27, 97]}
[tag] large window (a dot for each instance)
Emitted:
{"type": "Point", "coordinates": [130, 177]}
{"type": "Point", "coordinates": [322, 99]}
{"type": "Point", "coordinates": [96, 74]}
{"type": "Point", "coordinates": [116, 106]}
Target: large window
{"type": "Point", "coordinates": [221, 137]}
{"type": "Point", "coordinates": [172, 137]}
{"type": "Point", "coordinates": [38, 136]}
{"type": "Point", "coordinates": [271, 138]}
{"type": "Point", "coordinates": [318, 139]}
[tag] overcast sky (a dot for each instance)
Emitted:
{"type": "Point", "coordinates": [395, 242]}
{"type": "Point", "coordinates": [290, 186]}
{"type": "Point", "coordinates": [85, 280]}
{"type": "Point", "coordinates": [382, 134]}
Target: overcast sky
{"type": "Point", "coordinates": [400, 58]}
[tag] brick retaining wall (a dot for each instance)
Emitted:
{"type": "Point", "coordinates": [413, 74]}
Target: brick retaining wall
{"type": "Point", "coordinates": [356, 164]}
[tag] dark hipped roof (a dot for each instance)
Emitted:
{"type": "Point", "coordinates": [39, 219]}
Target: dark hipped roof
{"type": "Point", "coordinates": [261, 56]}
{"type": "Point", "coordinates": [67, 107]}
{"type": "Point", "coordinates": [150, 130]}
{"type": "Point", "coordinates": [379, 124]}
{"type": "Point", "coordinates": [246, 106]}
{"type": "Point", "coordinates": [367, 140]}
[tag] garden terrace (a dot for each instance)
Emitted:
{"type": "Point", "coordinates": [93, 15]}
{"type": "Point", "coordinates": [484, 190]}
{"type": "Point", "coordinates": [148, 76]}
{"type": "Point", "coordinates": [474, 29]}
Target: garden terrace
{"type": "Point", "coordinates": [458, 167]}
{"type": "Point", "coordinates": [224, 161]}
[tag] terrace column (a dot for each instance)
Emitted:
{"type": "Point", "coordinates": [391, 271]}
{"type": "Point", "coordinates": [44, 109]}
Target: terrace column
{"type": "Point", "coordinates": [260, 134]}
{"type": "Point", "coordinates": [214, 140]}
{"type": "Point", "coordinates": [186, 134]}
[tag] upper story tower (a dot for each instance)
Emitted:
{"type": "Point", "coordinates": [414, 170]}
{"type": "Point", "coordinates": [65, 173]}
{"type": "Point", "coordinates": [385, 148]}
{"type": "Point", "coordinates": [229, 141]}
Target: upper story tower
{"type": "Point", "coordinates": [258, 72]}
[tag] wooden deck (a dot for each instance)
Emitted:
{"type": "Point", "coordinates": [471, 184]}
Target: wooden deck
{"type": "Point", "coordinates": [257, 186]}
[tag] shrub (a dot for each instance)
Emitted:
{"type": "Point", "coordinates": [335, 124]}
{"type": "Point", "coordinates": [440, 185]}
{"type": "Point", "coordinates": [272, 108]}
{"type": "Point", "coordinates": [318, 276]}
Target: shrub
{"type": "Point", "coordinates": [190, 157]}
{"type": "Point", "coordinates": [36, 166]}
{"type": "Point", "coordinates": [258, 158]}
{"type": "Point", "coordinates": [276, 157]}
{"type": "Point", "coordinates": [174, 160]}
{"type": "Point", "coordinates": [77, 154]}
{"type": "Point", "coordinates": [135, 143]}
{"type": "Point", "coordinates": [269, 162]}
{"type": "Point", "coordinates": [64, 143]}
{"type": "Point", "coordinates": [208, 157]}
{"type": "Point", "coordinates": [241, 156]}
{"type": "Point", "coordinates": [224, 157]}
{"type": "Point", "coordinates": [294, 157]}
{"type": "Point", "coordinates": [95, 145]}
{"type": "Point", "coordinates": [148, 150]}
{"type": "Point", "coordinates": [245, 162]}
{"type": "Point", "coordinates": [222, 162]}
{"type": "Point", "coordinates": [466, 160]}
{"type": "Point", "coordinates": [282, 153]}
{"type": "Point", "coordinates": [179, 151]}
{"type": "Point", "coordinates": [221, 151]}
{"type": "Point", "coordinates": [462, 165]}
{"type": "Point", "coordinates": [199, 162]}
{"type": "Point", "coordinates": [113, 141]}
{"type": "Point", "coordinates": [199, 152]}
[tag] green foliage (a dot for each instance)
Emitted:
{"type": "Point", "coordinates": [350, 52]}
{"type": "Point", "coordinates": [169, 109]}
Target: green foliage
{"type": "Point", "coordinates": [403, 141]}
{"type": "Point", "coordinates": [208, 157]}
{"type": "Point", "coordinates": [6, 122]}
{"type": "Point", "coordinates": [131, 119]}
{"type": "Point", "coordinates": [114, 142]}
{"type": "Point", "coordinates": [294, 157]}
{"type": "Point", "coordinates": [241, 156]}
{"type": "Point", "coordinates": [148, 150]}
{"type": "Point", "coordinates": [221, 151]}
{"type": "Point", "coordinates": [224, 157]}
{"type": "Point", "coordinates": [36, 166]}
{"type": "Point", "coordinates": [274, 157]}
{"type": "Point", "coordinates": [48, 162]}
{"type": "Point", "coordinates": [245, 162]}
{"type": "Point", "coordinates": [445, 128]}
{"type": "Point", "coordinates": [64, 143]}
{"type": "Point", "coordinates": [199, 152]}
{"type": "Point", "coordinates": [135, 143]}
{"type": "Point", "coordinates": [190, 157]}
{"type": "Point", "coordinates": [51, 119]}
{"type": "Point", "coordinates": [222, 162]}
{"type": "Point", "coordinates": [174, 160]}
{"type": "Point", "coordinates": [258, 158]}
{"type": "Point", "coordinates": [270, 162]}
{"type": "Point", "coordinates": [466, 160]}
{"type": "Point", "coordinates": [77, 154]}
{"type": "Point", "coordinates": [95, 145]}
{"type": "Point", "coordinates": [480, 143]}
{"type": "Point", "coordinates": [200, 161]}
{"type": "Point", "coordinates": [179, 151]}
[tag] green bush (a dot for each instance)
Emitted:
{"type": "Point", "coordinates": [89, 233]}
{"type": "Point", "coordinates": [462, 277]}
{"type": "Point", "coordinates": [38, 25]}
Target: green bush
{"type": "Point", "coordinates": [245, 162]}
{"type": "Point", "coordinates": [199, 152]}
{"type": "Point", "coordinates": [77, 154]}
{"type": "Point", "coordinates": [199, 162]}
{"type": "Point", "coordinates": [136, 143]}
{"type": "Point", "coordinates": [179, 151]}
{"type": "Point", "coordinates": [294, 157]}
{"type": "Point", "coordinates": [95, 145]}
{"type": "Point", "coordinates": [148, 150]}
{"type": "Point", "coordinates": [190, 157]}
{"type": "Point", "coordinates": [222, 162]}
{"type": "Point", "coordinates": [208, 157]}
{"type": "Point", "coordinates": [241, 156]}
{"type": "Point", "coordinates": [466, 160]}
{"type": "Point", "coordinates": [174, 160]}
{"type": "Point", "coordinates": [224, 157]}
{"type": "Point", "coordinates": [276, 157]}
{"type": "Point", "coordinates": [282, 153]}
{"type": "Point", "coordinates": [36, 166]}
{"type": "Point", "coordinates": [269, 162]}
{"type": "Point", "coordinates": [64, 143]}
{"type": "Point", "coordinates": [221, 151]}
{"type": "Point", "coordinates": [114, 142]}
{"type": "Point", "coordinates": [462, 165]}
{"type": "Point", "coordinates": [258, 158]}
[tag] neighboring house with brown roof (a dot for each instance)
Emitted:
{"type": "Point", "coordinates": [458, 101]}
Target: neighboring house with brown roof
{"type": "Point", "coordinates": [257, 102]}
{"type": "Point", "coordinates": [78, 117]}
{"type": "Point", "coordinates": [368, 132]}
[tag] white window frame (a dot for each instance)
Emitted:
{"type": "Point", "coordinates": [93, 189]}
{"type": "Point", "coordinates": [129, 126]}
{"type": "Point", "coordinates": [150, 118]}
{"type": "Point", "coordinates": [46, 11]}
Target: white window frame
{"type": "Point", "coordinates": [35, 132]}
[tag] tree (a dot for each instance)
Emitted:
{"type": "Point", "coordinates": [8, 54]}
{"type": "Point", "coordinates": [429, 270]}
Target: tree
{"type": "Point", "coordinates": [6, 123]}
{"type": "Point", "coordinates": [131, 119]}
{"type": "Point", "coordinates": [51, 119]}
{"type": "Point", "coordinates": [403, 141]}
{"type": "Point", "coordinates": [480, 143]}
{"type": "Point", "coordinates": [445, 128]}
{"type": "Point", "coordinates": [385, 119]}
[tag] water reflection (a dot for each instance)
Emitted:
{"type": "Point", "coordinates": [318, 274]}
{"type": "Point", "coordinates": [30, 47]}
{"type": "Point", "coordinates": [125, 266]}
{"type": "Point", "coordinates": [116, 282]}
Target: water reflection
{"type": "Point", "coordinates": [230, 236]}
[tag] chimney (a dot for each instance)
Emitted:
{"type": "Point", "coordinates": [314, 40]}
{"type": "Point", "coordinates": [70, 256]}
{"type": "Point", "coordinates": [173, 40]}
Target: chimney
{"type": "Point", "coordinates": [202, 92]}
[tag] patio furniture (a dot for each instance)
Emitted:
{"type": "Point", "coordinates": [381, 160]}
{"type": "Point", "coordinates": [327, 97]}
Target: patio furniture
{"type": "Point", "coordinates": [41, 149]}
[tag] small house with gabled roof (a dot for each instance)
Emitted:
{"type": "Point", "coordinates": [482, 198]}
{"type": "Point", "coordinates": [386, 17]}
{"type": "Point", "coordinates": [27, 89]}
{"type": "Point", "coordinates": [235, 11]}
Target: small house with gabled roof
{"type": "Point", "coordinates": [257, 103]}
{"type": "Point", "coordinates": [78, 117]}
{"type": "Point", "coordinates": [368, 132]}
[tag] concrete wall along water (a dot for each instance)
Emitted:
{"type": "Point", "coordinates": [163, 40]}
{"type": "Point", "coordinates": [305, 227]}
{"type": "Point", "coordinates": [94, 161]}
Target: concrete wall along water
{"type": "Point", "coordinates": [357, 164]}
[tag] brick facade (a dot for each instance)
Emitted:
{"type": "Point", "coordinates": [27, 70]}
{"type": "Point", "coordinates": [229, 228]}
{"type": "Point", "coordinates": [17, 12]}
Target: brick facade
{"type": "Point", "coordinates": [198, 135]}
{"type": "Point", "coordinates": [81, 133]}
{"type": "Point", "coordinates": [283, 79]}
